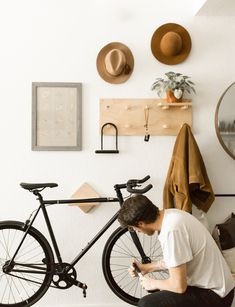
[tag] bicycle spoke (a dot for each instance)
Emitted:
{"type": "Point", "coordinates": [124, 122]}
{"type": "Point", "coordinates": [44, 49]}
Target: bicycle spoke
{"type": "Point", "coordinates": [18, 291]}
{"type": "Point", "coordinates": [124, 273]}
{"type": "Point", "coordinates": [28, 274]}
{"type": "Point", "coordinates": [4, 292]}
{"type": "Point", "coordinates": [28, 283]}
{"type": "Point", "coordinates": [128, 254]}
{"type": "Point", "coordinates": [3, 244]}
{"type": "Point", "coordinates": [37, 281]}
{"type": "Point", "coordinates": [136, 287]}
{"type": "Point", "coordinates": [154, 248]}
{"type": "Point", "coordinates": [127, 248]}
{"type": "Point", "coordinates": [12, 240]}
{"type": "Point", "coordinates": [118, 255]}
{"type": "Point", "coordinates": [32, 257]}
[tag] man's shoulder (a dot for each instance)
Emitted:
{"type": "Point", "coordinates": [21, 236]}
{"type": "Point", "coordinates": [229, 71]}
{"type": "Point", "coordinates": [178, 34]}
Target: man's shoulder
{"type": "Point", "coordinates": [177, 214]}
{"type": "Point", "coordinates": [176, 219]}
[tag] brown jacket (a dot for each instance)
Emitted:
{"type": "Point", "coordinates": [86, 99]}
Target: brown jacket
{"type": "Point", "coordinates": [187, 181]}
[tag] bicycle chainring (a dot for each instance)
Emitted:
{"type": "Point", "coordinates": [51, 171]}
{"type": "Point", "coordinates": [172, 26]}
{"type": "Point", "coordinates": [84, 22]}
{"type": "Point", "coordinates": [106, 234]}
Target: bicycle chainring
{"type": "Point", "coordinates": [64, 276]}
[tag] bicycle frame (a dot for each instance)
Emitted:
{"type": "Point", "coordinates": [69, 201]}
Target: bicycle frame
{"type": "Point", "coordinates": [42, 207]}
{"type": "Point", "coordinates": [93, 241]}
{"type": "Point", "coordinates": [32, 262]}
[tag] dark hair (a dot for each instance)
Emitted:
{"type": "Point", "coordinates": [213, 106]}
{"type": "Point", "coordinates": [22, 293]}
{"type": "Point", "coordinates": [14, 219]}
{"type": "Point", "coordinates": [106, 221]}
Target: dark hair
{"type": "Point", "coordinates": [135, 209]}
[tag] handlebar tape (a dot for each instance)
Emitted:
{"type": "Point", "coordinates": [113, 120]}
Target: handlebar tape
{"type": "Point", "coordinates": [139, 191]}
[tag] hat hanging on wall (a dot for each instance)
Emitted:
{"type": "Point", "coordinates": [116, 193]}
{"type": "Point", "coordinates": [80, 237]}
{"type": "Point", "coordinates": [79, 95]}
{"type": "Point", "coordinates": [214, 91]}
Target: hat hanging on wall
{"type": "Point", "coordinates": [115, 63]}
{"type": "Point", "coordinates": [171, 44]}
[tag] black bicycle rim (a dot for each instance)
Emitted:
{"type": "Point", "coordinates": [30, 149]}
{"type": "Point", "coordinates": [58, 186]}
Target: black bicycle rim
{"type": "Point", "coordinates": [118, 254]}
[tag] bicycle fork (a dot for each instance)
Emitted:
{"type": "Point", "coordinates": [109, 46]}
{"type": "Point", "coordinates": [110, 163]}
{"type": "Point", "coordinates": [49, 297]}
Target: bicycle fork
{"type": "Point", "coordinates": [134, 236]}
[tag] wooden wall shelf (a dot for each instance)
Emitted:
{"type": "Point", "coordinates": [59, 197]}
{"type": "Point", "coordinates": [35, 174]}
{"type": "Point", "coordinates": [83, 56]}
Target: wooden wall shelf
{"type": "Point", "coordinates": [182, 105]}
{"type": "Point", "coordinates": [85, 191]}
{"type": "Point", "coordinates": [129, 116]}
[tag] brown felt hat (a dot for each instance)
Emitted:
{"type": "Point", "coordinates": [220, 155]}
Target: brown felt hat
{"type": "Point", "coordinates": [115, 63]}
{"type": "Point", "coordinates": [171, 43]}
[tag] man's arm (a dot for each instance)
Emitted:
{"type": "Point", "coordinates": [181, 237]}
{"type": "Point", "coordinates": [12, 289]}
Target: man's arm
{"type": "Point", "coordinates": [176, 282]}
{"type": "Point", "coordinates": [160, 265]}
{"type": "Point", "coordinates": [148, 267]}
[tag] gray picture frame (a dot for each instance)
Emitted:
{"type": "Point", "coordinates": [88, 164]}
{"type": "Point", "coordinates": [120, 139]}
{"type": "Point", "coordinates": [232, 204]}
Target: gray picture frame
{"type": "Point", "coordinates": [56, 116]}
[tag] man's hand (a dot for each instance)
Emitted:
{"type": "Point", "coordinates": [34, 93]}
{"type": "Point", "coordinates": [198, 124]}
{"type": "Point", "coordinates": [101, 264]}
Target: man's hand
{"type": "Point", "coordinates": [177, 281]}
{"type": "Point", "coordinates": [147, 267]}
{"type": "Point", "coordinates": [144, 268]}
{"type": "Point", "coordinates": [132, 270]}
{"type": "Point", "coordinates": [147, 283]}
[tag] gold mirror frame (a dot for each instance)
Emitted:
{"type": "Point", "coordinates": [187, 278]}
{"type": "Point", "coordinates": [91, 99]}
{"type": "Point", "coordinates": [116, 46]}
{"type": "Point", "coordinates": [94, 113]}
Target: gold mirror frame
{"type": "Point", "coordinates": [216, 123]}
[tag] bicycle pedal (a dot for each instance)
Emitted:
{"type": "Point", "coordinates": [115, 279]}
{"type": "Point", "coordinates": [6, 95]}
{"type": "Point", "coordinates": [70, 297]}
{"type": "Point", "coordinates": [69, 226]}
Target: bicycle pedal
{"type": "Point", "coordinates": [84, 292]}
{"type": "Point", "coordinates": [83, 286]}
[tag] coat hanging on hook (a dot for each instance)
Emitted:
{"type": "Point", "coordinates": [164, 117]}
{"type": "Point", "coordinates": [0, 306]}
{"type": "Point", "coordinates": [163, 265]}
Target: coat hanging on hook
{"type": "Point", "coordinates": [102, 150]}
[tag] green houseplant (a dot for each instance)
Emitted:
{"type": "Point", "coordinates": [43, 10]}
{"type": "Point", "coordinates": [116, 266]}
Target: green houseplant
{"type": "Point", "coordinates": [173, 85]}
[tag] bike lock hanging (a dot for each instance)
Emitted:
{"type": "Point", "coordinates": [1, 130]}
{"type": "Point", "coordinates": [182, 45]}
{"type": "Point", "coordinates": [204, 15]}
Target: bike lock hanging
{"type": "Point", "coordinates": [102, 136]}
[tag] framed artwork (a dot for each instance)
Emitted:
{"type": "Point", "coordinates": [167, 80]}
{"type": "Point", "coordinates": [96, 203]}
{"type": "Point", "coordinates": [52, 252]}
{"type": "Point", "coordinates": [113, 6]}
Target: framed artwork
{"type": "Point", "coordinates": [56, 116]}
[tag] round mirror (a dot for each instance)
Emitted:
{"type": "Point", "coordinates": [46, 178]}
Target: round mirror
{"type": "Point", "coordinates": [225, 120]}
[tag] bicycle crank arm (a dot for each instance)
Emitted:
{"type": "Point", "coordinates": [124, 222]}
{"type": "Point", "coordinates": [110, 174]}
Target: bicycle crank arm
{"type": "Point", "coordinates": [79, 284]}
{"type": "Point", "coordinates": [82, 286]}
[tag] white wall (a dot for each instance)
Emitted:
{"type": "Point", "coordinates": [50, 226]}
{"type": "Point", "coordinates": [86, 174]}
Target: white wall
{"type": "Point", "coordinates": [58, 41]}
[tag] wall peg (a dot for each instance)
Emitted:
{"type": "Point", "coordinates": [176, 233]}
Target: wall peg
{"type": "Point", "coordinates": [129, 117]}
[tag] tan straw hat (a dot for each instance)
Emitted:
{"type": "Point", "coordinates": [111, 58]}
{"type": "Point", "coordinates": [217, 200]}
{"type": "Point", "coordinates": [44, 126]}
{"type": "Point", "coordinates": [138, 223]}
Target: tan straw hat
{"type": "Point", "coordinates": [171, 43]}
{"type": "Point", "coordinates": [115, 63]}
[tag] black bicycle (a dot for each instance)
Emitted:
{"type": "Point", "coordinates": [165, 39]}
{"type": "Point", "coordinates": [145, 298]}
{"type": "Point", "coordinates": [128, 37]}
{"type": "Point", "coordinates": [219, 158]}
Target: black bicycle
{"type": "Point", "coordinates": [27, 261]}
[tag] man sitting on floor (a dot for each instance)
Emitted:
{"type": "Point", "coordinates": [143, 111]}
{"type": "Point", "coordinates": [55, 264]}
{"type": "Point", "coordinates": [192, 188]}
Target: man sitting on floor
{"type": "Point", "coordinates": [198, 273]}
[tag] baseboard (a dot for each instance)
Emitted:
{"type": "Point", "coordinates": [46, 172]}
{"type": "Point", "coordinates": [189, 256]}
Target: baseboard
{"type": "Point", "coordinates": [90, 305]}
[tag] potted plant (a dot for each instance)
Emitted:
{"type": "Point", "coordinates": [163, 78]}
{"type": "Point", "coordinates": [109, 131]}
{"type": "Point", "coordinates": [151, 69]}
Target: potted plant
{"type": "Point", "coordinates": [174, 86]}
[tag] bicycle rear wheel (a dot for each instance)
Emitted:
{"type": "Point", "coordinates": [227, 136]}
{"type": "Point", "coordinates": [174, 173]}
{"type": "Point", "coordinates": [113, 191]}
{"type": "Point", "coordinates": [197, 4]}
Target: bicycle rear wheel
{"type": "Point", "coordinates": [28, 277]}
{"type": "Point", "coordinates": [118, 254]}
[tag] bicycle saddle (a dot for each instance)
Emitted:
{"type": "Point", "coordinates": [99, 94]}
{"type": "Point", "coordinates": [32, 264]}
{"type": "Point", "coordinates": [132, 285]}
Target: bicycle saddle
{"type": "Point", "coordinates": [34, 186]}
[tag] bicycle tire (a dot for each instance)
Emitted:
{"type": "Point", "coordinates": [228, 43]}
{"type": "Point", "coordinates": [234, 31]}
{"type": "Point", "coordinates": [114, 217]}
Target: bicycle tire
{"type": "Point", "coordinates": [118, 254]}
{"type": "Point", "coordinates": [19, 288]}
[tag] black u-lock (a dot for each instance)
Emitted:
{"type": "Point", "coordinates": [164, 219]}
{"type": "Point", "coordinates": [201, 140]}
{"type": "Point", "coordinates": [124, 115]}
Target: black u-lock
{"type": "Point", "coordinates": [102, 135]}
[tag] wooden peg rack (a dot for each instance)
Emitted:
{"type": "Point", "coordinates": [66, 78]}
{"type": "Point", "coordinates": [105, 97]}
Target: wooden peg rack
{"type": "Point", "coordinates": [129, 116]}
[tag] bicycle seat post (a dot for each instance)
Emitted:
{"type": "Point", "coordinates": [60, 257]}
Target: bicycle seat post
{"type": "Point", "coordinates": [39, 195]}
{"type": "Point", "coordinates": [30, 222]}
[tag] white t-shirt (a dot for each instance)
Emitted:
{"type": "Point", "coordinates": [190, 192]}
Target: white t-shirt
{"type": "Point", "coordinates": [185, 240]}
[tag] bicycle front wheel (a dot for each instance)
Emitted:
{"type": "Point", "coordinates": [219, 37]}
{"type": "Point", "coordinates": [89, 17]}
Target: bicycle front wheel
{"type": "Point", "coordinates": [118, 254]}
{"type": "Point", "coordinates": [24, 280]}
